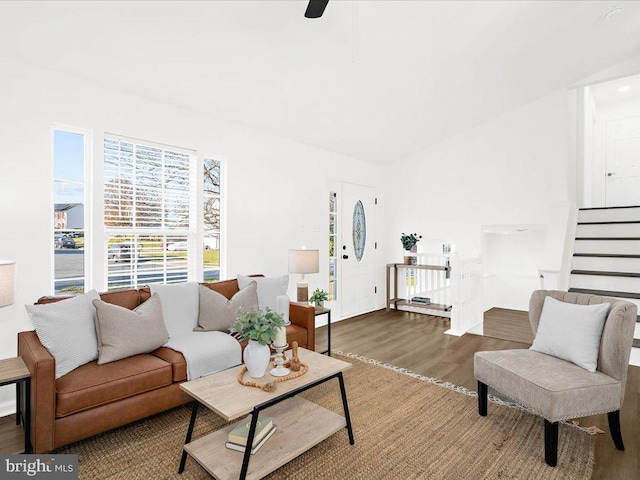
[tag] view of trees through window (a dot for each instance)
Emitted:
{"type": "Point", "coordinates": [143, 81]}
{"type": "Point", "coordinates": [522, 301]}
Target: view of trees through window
{"type": "Point", "coordinates": [211, 219]}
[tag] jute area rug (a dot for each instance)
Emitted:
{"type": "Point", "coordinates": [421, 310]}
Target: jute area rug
{"type": "Point", "coordinates": [406, 427]}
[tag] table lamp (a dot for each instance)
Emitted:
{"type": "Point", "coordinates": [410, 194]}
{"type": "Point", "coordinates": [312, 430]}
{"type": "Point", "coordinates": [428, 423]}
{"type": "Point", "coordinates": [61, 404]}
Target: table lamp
{"type": "Point", "coordinates": [7, 283]}
{"type": "Point", "coordinates": [304, 261]}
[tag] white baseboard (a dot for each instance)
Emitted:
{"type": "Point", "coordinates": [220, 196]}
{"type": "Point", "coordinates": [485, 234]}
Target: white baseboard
{"type": "Point", "coordinates": [7, 408]}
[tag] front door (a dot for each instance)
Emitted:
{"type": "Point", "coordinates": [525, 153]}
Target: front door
{"type": "Point", "coordinates": [357, 250]}
{"type": "Point", "coordinates": [622, 161]}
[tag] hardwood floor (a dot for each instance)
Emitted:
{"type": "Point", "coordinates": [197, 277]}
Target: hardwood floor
{"type": "Point", "coordinates": [418, 342]}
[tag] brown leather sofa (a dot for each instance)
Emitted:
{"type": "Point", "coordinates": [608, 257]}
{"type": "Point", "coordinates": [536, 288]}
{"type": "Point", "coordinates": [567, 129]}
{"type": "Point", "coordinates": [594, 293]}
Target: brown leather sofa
{"type": "Point", "coordinates": [95, 398]}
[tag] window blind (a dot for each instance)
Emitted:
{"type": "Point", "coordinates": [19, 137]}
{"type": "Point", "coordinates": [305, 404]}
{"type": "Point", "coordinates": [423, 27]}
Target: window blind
{"type": "Point", "coordinates": [149, 204]}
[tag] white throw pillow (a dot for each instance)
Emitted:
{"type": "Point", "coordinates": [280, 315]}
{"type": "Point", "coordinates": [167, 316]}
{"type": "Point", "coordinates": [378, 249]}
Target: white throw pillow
{"type": "Point", "coordinates": [180, 306]}
{"type": "Point", "coordinates": [68, 330]}
{"type": "Point", "coordinates": [571, 332]}
{"type": "Point", "coordinates": [269, 289]}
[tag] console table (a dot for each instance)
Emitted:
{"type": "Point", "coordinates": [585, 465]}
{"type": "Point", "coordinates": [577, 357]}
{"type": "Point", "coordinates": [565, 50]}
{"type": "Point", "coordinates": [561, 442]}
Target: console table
{"type": "Point", "coordinates": [393, 278]}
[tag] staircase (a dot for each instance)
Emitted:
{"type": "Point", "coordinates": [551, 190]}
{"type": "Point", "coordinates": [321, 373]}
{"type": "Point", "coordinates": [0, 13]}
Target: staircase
{"type": "Point", "coordinates": [606, 259]}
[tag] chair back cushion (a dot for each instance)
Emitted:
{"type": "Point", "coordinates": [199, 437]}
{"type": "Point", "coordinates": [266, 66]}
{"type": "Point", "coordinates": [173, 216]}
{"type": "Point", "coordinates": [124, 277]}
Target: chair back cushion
{"type": "Point", "coordinates": [617, 336]}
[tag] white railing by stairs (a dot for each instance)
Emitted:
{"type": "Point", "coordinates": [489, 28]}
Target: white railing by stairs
{"type": "Point", "coordinates": [459, 288]}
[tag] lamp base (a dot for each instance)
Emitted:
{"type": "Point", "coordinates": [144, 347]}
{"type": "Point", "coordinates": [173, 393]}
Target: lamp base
{"type": "Point", "coordinates": [303, 291]}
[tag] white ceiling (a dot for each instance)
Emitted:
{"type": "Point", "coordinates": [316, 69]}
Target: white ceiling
{"type": "Point", "coordinates": [375, 80]}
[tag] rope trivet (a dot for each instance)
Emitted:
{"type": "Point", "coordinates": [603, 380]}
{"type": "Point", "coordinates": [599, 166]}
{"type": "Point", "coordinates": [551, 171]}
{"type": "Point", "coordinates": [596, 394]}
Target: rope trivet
{"type": "Point", "coordinates": [271, 386]}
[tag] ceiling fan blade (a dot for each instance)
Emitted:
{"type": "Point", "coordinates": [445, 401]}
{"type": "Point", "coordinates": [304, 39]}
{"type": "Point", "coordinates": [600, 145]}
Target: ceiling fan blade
{"type": "Point", "coordinates": [315, 9]}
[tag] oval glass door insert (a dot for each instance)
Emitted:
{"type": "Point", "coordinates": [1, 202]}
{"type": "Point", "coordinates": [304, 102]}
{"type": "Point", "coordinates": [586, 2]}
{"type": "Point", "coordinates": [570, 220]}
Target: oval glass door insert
{"type": "Point", "coordinates": [359, 230]}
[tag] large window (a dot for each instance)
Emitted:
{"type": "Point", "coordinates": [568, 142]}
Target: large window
{"type": "Point", "coordinates": [69, 211]}
{"type": "Point", "coordinates": [211, 220]}
{"type": "Point", "coordinates": [149, 204]}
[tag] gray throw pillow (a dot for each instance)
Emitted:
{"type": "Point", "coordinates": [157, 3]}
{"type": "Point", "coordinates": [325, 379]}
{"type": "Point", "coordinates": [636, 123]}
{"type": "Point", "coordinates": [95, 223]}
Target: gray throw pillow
{"type": "Point", "coordinates": [571, 332]}
{"type": "Point", "coordinates": [67, 329]}
{"type": "Point", "coordinates": [219, 313]}
{"type": "Point", "coordinates": [123, 332]}
{"type": "Point", "coordinates": [269, 289]}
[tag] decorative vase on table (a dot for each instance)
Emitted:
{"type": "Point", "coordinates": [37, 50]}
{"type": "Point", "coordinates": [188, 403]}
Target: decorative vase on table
{"type": "Point", "coordinates": [256, 358]}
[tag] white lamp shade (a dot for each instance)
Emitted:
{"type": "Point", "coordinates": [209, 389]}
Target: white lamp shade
{"type": "Point", "coordinates": [7, 283]}
{"type": "Point", "coordinates": [304, 261]}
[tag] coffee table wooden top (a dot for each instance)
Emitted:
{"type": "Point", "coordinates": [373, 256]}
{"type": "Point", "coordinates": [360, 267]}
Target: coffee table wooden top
{"type": "Point", "coordinates": [222, 393]}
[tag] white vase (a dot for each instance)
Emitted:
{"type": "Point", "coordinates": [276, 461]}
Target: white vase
{"type": "Point", "coordinates": [256, 359]}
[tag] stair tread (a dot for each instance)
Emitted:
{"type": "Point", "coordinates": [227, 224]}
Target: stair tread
{"type": "Point", "coordinates": [609, 208]}
{"type": "Point", "coordinates": [606, 255]}
{"type": "Point", "coordinates": [607, 274]}
{"type": "Point", "coordinates": [618, 222]}
{"type": "Point", "coordinates": [608, 238]}
{"type": "Point", "coordinates": [606, 293]}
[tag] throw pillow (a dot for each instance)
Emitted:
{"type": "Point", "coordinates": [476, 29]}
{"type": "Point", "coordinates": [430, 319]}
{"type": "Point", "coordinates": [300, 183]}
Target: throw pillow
{"type": "Point", "coordinates": [180, 304]}
{"type": "Point", "coordinates": [122, 332]}
{"type": "Point", "coordinates": [571, 332]}
{"type": "Point", "coordinates": [219, 313]}
{"type": "Point", "coordinates": [68, 330]}
{"type": "Point", "coordinates": [268, 289]}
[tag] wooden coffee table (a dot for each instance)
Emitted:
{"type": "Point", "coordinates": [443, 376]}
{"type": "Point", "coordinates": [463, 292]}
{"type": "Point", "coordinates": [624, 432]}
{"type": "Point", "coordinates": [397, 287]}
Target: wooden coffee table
{"type": "Point", "coordinates": [301, 424]}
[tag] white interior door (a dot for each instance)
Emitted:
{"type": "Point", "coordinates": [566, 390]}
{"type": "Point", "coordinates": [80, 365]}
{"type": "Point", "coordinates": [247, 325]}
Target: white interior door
{"type": "Point", "coordinates": [622, 162]}
{"type": "Point", "coordinates": [356, 251]}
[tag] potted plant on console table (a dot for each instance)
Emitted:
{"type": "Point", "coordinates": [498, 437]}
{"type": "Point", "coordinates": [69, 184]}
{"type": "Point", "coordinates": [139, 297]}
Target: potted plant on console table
{"type": "Point", "coordinates": [410, 248]}
{"type": "Point", "coordinates": [261, 329]}
{"type": "Point", "coordinates": [318, 298]}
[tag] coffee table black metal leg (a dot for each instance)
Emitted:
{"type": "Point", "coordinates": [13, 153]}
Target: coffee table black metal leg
{"type": "Point", "coordinates": [192, 422]}
{"type": "Point", "coordinates": [345, 405]}
{"type": "Point", "coordinates": [247, 450]}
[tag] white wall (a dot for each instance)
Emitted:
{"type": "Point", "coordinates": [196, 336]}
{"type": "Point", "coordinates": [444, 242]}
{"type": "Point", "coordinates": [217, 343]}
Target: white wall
{"type": "Point", "coordinates": [277, 190]}
{"type": "Point", "coordinates": [504, 172]}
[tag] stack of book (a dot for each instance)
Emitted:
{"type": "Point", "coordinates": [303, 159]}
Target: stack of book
{"type": "Point", "coordinates": [237, 439]}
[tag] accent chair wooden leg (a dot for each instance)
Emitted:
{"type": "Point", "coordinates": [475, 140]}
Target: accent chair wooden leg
{"type": "Point", "coordinates": [482, 398]}
{"type": "Point", "coordinates": [614, 427]}
{"type": "Point", "coordinates": [551, 443]}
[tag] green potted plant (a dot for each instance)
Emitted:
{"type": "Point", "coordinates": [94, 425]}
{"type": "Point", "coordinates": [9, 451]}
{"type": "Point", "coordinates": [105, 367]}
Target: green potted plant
{"type": "Point", "coordinates": [260, 328]}
{"type": "Point", "coordinates": [409, 244]}
{"type": "Point", "coordinates": [319, 297]}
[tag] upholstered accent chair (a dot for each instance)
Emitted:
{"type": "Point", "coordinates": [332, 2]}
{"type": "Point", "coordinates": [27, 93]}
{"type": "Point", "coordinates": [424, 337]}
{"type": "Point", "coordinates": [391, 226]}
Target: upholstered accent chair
{"type": "Point", "coordinates": [557, 389]}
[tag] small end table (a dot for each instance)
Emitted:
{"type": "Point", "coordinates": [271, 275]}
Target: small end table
{"type": "Point", "coordinates": [327, 311]}
{"type": "Point", "coordinates": [14, 371]}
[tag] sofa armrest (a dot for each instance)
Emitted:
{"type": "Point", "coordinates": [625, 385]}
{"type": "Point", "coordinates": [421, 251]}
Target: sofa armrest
{"type": "Point", "coordinates": [42, 367]}
{"type": "Point", "coordinates": [303, 315]}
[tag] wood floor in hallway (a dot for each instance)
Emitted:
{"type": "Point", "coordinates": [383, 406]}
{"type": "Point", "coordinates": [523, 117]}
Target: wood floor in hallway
{"type": "Point", "coordinates": [417, 342]}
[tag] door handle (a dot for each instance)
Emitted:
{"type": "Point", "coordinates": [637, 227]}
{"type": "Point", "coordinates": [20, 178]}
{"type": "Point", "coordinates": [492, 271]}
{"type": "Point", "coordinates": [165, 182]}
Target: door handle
{"type": "Point", "coordinates": [609, 174]}
{"type": "Point", "coordinates": [344, 257]}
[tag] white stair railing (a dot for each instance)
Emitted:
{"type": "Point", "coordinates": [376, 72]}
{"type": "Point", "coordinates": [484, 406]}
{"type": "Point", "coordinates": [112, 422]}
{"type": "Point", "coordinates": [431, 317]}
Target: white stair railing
{"type": "Point", "coordinates": [454, 293]}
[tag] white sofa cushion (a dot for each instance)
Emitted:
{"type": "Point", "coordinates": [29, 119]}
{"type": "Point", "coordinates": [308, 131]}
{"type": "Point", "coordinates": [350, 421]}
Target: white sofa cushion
{"type": "Point", "coordinates": [180, 306]}
{"type": "Point", "coordinates": [269, 289]}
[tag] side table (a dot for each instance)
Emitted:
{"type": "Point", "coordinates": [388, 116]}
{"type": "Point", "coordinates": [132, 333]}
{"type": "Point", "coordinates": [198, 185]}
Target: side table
{"type": "Point", "coordinates": [14, 371]}
{"type": "Point", "coordinates": [327, 311]}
